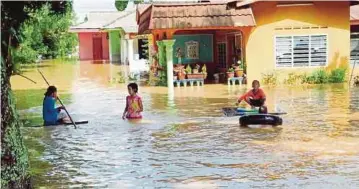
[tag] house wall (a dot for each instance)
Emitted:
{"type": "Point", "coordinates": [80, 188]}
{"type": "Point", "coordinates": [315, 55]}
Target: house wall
{"type": "Point", "coordinates": [355, 29]}
{"type": "Point", "coordinates": [105, 46]}
{"type": "Point", "coordinates": [86, 45]}
{"type": "Point", "coordinates": [115, 46]}
{"type": "Point", "coordinates": [259, 41]}
{"type": "Point", "coordinates": [205, 47]}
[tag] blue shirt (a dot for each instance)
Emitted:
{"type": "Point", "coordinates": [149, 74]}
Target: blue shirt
{"type": "Point", "coordinates": [49, 112]}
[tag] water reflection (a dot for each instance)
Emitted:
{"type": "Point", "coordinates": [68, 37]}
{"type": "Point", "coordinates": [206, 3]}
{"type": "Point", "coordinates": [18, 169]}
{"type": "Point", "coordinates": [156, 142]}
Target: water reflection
{"type": "Point", "coordinates": [185, 142]}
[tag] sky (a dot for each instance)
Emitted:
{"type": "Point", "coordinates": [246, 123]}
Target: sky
{"type": "Point", "coordinates": [82, 7]}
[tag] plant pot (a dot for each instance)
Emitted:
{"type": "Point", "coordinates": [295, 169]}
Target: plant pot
{"type": "Point", "coordinates": [195, 71]}
{"type": "Point", "coordinates": [195, 76]}
{"type": "Point", "coordinates": [181, 76]}
{"type": "Point", "coordinates": [204, 75]}
{"type": "Point", "coordinates": [238, 73]}
{"type": "Point", "coordinates": [230, 74]}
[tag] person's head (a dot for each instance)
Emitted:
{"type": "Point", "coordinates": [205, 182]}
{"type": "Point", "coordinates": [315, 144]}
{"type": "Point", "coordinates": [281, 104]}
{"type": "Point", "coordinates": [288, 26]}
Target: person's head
{"type": "Point", "coordinates": [51, 91]}
{"type": "Point", "coordinates": [255, 84]}
{"type": "Point", "coordinates": [132, 88]}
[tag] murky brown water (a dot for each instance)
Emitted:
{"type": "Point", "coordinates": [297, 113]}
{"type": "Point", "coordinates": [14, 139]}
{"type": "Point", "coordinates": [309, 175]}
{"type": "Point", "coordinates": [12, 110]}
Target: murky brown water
{"type": "Point", "coordinates": [185, 142]}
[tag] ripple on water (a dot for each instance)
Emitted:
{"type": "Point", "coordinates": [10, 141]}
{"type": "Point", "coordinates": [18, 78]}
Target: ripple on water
{"type": "Point", "coordinates": [185, 142]}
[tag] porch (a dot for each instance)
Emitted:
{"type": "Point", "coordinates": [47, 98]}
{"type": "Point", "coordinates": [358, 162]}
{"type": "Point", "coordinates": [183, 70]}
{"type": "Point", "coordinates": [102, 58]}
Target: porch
{"type": "Point", "coordinates": [198, 38]}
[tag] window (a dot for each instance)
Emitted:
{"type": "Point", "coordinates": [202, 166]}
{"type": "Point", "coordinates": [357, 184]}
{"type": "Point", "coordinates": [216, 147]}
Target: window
{"type": "Point", "coordinates": [192, 50]}
{"type": "Point", "coordinates": [301, 51]}
{"type": "Point", "coordinates": [354, 48]}
{"type": "Point", "coordinates": [221, 48]}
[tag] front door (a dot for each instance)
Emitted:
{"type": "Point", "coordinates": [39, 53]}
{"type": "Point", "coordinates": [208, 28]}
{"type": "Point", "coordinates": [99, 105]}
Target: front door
{"type": "Point", "coordinates": [97, 48]}
{"type": "Point", "coordinates": [235, 48]}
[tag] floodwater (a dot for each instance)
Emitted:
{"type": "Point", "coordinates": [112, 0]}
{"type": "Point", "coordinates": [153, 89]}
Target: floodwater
{"type": "Point", "coordinates": [184, 141]}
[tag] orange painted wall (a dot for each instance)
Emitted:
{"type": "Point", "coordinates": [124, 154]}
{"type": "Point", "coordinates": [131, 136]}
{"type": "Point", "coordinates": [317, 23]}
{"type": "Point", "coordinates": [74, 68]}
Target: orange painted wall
{"type": "Point", "coordinates": [260, 50]}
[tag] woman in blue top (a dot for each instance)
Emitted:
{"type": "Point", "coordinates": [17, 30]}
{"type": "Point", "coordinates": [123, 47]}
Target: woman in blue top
{"type": "Point", "coordinates": [50, 113]}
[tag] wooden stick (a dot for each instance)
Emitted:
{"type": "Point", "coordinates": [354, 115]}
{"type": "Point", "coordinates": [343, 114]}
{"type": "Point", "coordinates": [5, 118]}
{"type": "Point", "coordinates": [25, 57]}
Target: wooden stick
{"type": "Point", "coordinates": [72, 121]}
{"type": "Point", "coordinates": [25, 77]}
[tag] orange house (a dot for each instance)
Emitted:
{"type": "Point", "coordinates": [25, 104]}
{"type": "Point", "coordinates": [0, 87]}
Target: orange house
{"type": "Point", "coordinates": [279, 37]}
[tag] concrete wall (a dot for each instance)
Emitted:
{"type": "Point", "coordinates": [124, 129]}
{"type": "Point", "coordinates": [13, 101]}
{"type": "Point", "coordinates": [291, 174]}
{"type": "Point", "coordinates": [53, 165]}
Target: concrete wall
{"type": "Point", "coordinates": [86, 45]}
{"type": "Point", "coordinates": [333, 17]}
{"type": "Point", "coordinates": [115, 46]}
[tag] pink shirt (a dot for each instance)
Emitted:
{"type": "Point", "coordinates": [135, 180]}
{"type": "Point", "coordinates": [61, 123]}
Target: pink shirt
{"type": "Point", "coordinates": [134, 105]}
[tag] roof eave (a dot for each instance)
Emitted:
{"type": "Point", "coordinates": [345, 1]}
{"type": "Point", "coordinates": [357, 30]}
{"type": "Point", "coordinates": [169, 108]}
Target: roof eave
{"type": "Point", "coordinates": [354, 22]}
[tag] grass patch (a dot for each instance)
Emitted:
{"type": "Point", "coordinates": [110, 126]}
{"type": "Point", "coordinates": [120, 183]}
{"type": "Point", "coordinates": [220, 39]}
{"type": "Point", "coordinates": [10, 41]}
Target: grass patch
{"type": "Point", "coordinates": [29, 98]}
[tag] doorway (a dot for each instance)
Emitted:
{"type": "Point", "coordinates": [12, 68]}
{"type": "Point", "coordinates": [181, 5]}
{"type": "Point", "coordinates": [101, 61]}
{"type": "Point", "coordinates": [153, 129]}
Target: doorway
{"type": "Point", "coordinates": [97, 48]}
{"type": "Point", "coordinates": [235, 48]}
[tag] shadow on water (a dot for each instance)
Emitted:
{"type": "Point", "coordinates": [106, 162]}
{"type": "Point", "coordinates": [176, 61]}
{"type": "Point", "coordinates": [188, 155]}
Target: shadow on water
{"type": "Point", "coordinates": [185, 141]}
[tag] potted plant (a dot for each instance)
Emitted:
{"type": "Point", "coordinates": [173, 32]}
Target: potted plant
{"type": "Point", "coordinates": [204, 71]}
{"type": "Point", "coordinates": [196, 68]}
{"type": "Point", "coordinates": [230, 73]}
{"type": "Point", "coordinates": [175, 76]}
{"type": "Point", "coordinates": [181, 74]}
{"type": "Point", "coordinates": [239, 69]}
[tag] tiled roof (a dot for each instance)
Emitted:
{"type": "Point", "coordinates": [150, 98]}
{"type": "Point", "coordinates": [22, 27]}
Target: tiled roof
{"type": "Point", "coordinates": [193, 15]}
{"type": "Point", "coordinates": [354, 15]}
{"type": "Point", "coordinates": [109, 20]}
{"type": "Point", "coordinates": [127, 23]}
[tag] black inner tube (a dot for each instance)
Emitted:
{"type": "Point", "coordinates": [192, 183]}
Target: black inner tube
{"type": "Point", "coordinates": [260, 119]}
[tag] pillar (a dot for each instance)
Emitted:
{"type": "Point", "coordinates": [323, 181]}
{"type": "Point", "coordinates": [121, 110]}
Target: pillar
{"type": "Point", "coordinates": [169, 57]}
{"type": "Point", "coordinates": [130, 50]}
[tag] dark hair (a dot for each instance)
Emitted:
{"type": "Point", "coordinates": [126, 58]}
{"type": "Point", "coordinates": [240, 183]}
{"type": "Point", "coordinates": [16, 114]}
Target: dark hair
{"type": "Point", "coordinates": [133, 86]}
{"type": "Point", "coordinates": [256, 81]}
{"type": "Point", "coordinates": [50, 90]}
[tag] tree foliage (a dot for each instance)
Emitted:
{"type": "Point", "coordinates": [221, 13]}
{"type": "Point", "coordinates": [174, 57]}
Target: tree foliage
{"type": "Point", "coordinates": [14, 158]}
{"type": "Point", "coordinates": [40, 35]}
{"type": "Point", "coordinates": [122, 4]}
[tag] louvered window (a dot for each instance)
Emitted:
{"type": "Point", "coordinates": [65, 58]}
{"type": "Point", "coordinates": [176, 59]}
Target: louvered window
{"type": "Point", "coordinates": [354, 48]}
{"type": "Point", "coordinates": [301, 51]}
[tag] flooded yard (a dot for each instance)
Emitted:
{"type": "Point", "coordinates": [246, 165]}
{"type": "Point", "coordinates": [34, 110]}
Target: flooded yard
{"type": "Point", "coordinates": [184, 141]}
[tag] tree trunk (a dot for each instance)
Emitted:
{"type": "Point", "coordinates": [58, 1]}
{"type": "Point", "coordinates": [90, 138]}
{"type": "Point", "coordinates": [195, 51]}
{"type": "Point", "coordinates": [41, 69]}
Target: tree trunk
{"type": "Point", "coordinates": [14, 157]}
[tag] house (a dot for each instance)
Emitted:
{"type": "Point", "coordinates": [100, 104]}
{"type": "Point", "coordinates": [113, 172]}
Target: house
{"type": "Point", "coordinates": [112, 36]}
{"type": "Point", "coordinates": [269, 36]}
{"type": "Point", "coordinates": [354, 37]}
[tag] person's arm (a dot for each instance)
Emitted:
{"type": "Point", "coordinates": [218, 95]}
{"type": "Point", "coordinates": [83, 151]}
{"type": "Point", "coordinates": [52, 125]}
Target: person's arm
{"type": "Point", "coordinates": [243, 97]}
{"type": "Point", "coordinates": [140, 105]}
{"type": "Point", "coordinates": [126, 109]}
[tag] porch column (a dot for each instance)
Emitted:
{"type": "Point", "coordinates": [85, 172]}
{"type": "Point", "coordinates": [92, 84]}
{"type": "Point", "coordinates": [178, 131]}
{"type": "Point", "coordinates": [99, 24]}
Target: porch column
{"type": "Point", "coordinates": [130, 50]}
{"type": "Point", "coordinates": [169, 57]}
{"type": "Point", "coordinates": [123, 50]}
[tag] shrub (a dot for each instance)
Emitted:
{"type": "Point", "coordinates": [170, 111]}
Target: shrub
{"type": "Point", "coordinates": [337, 75]}
{"type": "Point", "coordinates": [317, 77]}
{"type": "Point", "coordinates": [269, 78]}
{"type": "Point", "coordinates": [294, 78]}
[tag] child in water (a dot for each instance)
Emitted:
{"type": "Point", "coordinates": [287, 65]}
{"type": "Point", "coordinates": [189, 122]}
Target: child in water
{"type": "Point", "coordinates": [133, 103]}
{"type": "Point", "coordinates": [52, 115]}
{"type": "Point", "coordinates": [255, 97]}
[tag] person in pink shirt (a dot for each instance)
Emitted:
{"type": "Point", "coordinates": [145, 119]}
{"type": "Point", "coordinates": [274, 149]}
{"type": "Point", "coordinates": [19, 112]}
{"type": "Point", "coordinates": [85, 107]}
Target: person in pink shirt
{"type": "Point", "coordinates": [133, 103]}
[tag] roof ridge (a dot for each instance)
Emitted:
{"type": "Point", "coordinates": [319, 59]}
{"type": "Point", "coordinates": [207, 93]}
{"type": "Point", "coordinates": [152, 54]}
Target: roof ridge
{"type": "Point", "coordinates": [106, 11]}
{"type": "Point", "coordinates": [187, 4]}
{"type": "Point", "coordinates": [205, 16]}
{"type": "Point", "coordinates": [120, 17]}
